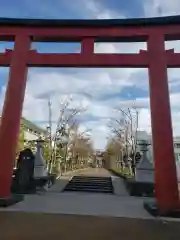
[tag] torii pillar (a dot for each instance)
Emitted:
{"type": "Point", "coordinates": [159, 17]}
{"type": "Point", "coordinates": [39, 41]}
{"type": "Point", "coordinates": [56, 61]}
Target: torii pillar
{"type": "Point", "coordinates": [11, 115]}
{"type": "Point", "coordinates": [166, 184]}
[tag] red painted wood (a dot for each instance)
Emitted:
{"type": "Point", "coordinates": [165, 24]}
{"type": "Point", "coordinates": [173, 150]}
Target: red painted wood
{"type": "Point", "coordinates": [69, 60]}
{"type": "Point", "coordinates": [171, 32]}
{"type": "Point", "coordinates": [87, 46]}
{"type": "Point", "coordinates": [166, 186]}
{"type": "Point", "coordinates": [173, 59]}
{"type": "Point", "coordinates": [87, 60]}
{"type": "Point", "coordinates": [5, 58]}
{"type": "Point", "coordinates": [12, 109]}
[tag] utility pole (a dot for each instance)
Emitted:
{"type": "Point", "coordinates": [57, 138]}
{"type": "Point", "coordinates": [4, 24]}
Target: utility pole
{"type": "Point", "coordinates": [50, 132]}
{"type": "Point", "coordinates": [135, 140]}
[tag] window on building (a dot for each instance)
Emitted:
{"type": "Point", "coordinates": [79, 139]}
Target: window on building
{"type": "Point", "coordinates": [177, 145]}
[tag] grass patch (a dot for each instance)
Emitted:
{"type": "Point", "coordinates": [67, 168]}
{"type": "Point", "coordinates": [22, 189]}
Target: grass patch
{"type": "Point", "coordinates": [124, 171]}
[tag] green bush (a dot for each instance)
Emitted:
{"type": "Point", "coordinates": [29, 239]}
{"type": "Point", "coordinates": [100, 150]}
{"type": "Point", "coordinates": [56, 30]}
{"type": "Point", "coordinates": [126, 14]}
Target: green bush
{"type": "Point", "coordinates": [126, 171]}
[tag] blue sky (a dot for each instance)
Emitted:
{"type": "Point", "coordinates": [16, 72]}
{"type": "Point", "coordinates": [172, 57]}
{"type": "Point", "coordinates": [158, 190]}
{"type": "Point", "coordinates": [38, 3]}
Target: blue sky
{"type": "Point", "coordinates": [66, 9]}
{"type": "Point", "coordinates": [100, 90]}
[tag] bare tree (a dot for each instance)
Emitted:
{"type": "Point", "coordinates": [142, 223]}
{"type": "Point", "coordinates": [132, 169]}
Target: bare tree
{"type": "Point", "coordinates": [64, 126]}
{"type": "Point", "coordinates": [113, 152]}
{"type": "Point", "coordinates": [83, 149]}
{"type": "Point", "coordinates": [124, 127]}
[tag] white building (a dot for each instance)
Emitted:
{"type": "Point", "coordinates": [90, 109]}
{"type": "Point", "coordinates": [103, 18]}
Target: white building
{"type": "Point", "coordinates": [143, 135]}
{"type": "Point", "coordinates": [177, 148]}
{"type": "Point", "coordinates": [32, 132]}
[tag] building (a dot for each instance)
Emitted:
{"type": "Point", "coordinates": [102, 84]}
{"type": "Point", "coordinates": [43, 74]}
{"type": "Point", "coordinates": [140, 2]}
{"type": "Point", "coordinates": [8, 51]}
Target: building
{"type": "Point", "coordinates": [143, 135]}
{"type": "Point", "coordinates": [177, 148]}
{"type": "Point", "coordinates": [32, 132]}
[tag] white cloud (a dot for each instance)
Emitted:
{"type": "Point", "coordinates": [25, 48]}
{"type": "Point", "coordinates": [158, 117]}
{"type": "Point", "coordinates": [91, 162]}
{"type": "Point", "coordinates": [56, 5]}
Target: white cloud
{"type": "Point", "coordinates": [125, 47]}
{"type": "Point", "coordinates": [154, 8]}
{"type": "Point", "coordinates": [144, 122]}
{"type": "Point", "coordinates": [98, 11]}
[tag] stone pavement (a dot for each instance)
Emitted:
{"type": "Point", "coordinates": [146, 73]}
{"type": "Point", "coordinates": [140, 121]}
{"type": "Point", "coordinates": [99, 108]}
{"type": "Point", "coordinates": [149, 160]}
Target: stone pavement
{"type": "Point", "coordinates": [85, 215]}
{"type": "Point", "coordinates": [118, 185]}
{"type": "Point", "coordinates": [94, 172]}
{"type": "Point", "coordinates": [63, 180]}
{"type": "Point", "coordinates": [82, 204]}
{"type": "Point", "coordinates": [57, 201]}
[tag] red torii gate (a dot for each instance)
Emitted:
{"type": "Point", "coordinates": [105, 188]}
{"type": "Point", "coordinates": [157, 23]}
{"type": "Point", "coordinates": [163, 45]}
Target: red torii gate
{"type": "Point", "coordinates": [154, 31]}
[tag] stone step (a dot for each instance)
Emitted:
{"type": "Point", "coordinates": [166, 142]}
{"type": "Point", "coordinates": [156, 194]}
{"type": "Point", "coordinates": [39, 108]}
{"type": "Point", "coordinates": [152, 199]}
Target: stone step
{"type": "Point", "coordinates": [92, 178]}
{"type": "Point", "coordinates": [90, 184]}
{"type": "Point", "coordinates": [96, 190]}
{"type": "Point", "coordinates": [87, 187]}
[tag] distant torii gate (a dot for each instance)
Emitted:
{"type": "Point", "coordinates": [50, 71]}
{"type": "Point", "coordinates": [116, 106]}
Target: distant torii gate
{"type": "Point", "coordinates": [154, 31]}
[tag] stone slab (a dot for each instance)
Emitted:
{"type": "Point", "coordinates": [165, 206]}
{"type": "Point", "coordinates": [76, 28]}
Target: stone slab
{"type": "Point", "coordinates": [119, 186]}
{"type": "Point", "coordinates": [40, 226]}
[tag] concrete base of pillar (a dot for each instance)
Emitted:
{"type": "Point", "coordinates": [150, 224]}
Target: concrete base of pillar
{"type": "Point", "coordinates": [152, 208]}
{"type": "Point", "coordinates": [11, 200]}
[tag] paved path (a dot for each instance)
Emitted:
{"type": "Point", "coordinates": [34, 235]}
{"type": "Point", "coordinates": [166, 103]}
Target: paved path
{"type": "Point", "coordinates": [94, 172]}
{"type": "Point", "coordinates": [63, 180]}
{"type": "Point", "coordinates": [57, 201]}
{"type": "Point", "coordinates": [118, 185]}
{"type": "Point", "coordinates": [118, 205]}
{"type": "Point", "coordinates": [117, 182]}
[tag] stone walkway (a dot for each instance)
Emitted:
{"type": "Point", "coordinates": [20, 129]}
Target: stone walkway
{"type": "Point", "coordinates": [94, 172]}
{"type": "Point", "coordinates": [63, 180]}
{"type": "Point", "coordinates": [98, 204]}
{"type": "Point", "coordinates": [82, 204]}
{"type": "Point", "coordinates": [118, 185]}
{"type": "Point", "coordinates": [95, 204]}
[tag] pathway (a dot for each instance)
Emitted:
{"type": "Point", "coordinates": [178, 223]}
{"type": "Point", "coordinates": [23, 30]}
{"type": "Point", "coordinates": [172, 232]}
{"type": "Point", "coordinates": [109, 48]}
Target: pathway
{"type": "Point", "coordinates": [118, 185]}
{"type": "Point", "coordinates": [79, 210]}
{"type": "Point", "coordinates": [94, 172]}
{"type": "Point", "coordinates": [99, 204]}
